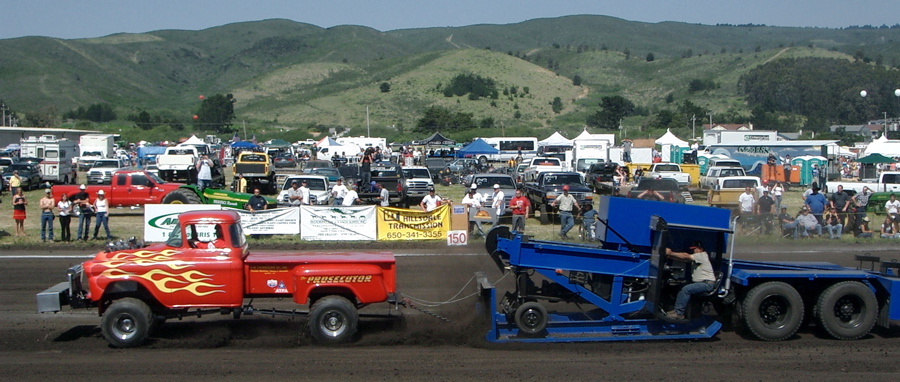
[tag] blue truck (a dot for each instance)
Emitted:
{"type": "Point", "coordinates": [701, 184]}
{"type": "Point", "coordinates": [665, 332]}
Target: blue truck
{"type": "Point", "coordinates": [621, 287]}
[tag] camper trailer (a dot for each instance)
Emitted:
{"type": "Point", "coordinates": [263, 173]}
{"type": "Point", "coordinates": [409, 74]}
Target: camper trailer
{"type": "Point", "coordinates": [57, 155]}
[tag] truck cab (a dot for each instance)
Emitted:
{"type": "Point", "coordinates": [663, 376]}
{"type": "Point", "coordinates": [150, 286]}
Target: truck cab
{"type": "Point", "coordinates": [102, 170]}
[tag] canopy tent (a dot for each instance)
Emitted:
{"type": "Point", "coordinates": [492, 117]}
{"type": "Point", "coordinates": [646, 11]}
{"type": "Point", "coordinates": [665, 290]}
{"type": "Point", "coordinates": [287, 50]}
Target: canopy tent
{"type": "Point", "coordinates": [584, 135]}
{"type": "Point", "coordinates": [436, 139]}
{"type": "Point", "coordinates": [477, 147]}
{"type": "Point", "coordinates": [193, 140]}
{"type": "Point", "coordinates": [556, 139]}
{"type": "Point", "coordinates": [670, 139]}
{"type": "Point", "coordinates": [875, 158]}
{"type": "Point", "coordinates": [326, 142]}
{"type": "Point", "coordinates": [243, 145]}
{"type": "Point", "coordinates": [884, 147]}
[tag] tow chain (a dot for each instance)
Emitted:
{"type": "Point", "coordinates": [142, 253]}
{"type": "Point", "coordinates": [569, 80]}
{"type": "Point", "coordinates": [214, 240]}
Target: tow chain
{"type": "Point", "coordinates": [408, 303]}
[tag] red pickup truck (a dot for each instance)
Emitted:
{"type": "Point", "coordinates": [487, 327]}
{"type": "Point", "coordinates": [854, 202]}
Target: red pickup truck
{"type": "Point", "coordinates": [205, 267]}
{"type": "Point", "coordinates": [128, 188]}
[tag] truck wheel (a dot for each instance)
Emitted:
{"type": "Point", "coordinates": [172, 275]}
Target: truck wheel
{"type": "Point", "coordinates": [182, 196]}
{"type": "Point", "coordinates": [545, 218]}
{"type": "Point", "coordinates": [127, 323]}
{"type": "Point", "coordinates": [773, 311]}
{"type": "Point", "coordinates": [482, 160]}
{"type": "Point", "coordinates": [332, 320]}
{"type": "Point", "coordinates": [847, 310]}
{"type": "Point", "coordinates": [531, 318]}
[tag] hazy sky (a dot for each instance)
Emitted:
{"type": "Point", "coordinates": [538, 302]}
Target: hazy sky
{"type": "Point", "coordinates": [94, 18]}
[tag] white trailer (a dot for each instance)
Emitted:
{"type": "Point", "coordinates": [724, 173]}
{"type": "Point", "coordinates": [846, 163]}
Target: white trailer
{"type": "Point", "coordinates": [363, 142]}
{"type": "Point", "coordinates": [103, 143]}
{"type": "Point", "coordinates": [57, 155]}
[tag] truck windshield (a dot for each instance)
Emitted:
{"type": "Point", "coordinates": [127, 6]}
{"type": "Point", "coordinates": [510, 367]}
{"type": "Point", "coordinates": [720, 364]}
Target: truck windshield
{"type": "Point", "coordinates": [180, 152]}
{"type": "Point", "coordinates": [732, 172]}
{"type": "Point", "coordinates": [488, 182]}
{"type": "Point", "coordinates": [416, 173]}
{"type": "Point", "coordinates": [657, 184]}
{"type": "Point", "coordinates": [739, 183]}
{"type": "Point", "coordinates": [559, 180]}
{"type": "Point", "coordinates": [545, 162]}
{"type": "Point", "coordinates": [155, 178]}
{"type": "Point", "coordinates": [106, 164]}
{"type": "Point", "coordinates": [252, 158]}
{"type": "Point", "coordinates": [175, 237]}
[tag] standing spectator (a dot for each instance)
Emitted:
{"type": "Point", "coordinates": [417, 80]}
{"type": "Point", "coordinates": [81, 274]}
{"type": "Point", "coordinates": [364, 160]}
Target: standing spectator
{"type": "Point", "coordinates": [473, 201]}
{"type": "Point", "coordinates": [841, 202]}
{"type": "Point", "coordinates": [19, 203]}
{"type": "Point", "coordinates": [892, 207]}
{"type": "Point", "coordinates": [84, 209]}
{"type": "Point", "coordinates": [384, 196]}
{"type": "Point", "coordinates": [626, 151]}
{"type": "Point", "coordinates": [365, 167]}
{"type": "Point", "coordinates": [65, 217]}
{"type": "Point", "coordinates": [809, 190]}
{"type": "Point", "coordinates": [241, 184]}
{"type": "Point", "coordinates": [833, 223]}
{"type": "Point", "coordinates": [861, 200]}
{"type": "Point", "coordinates": [498, 203]}
{"type": "Point", "coordinates": [15, 182]}
{"type": "Point", "coordinates": [257, 202]}
{"type": "Point", "coordinates": [764, 209]}
{"type": "Point", "coordinates": [770, 167]}
{"type": "Point", "coordinates": [815, 173]}
{"type": "Point", "coordinates": [778, 193]}
{"type": "Point", "coordinates": [351, 197]}
{"type": "Point", "coordinates": [816, 203]}
{"type": "Point", "coordinates": [295, 196]}
{"type": "Point", "coordinates": [204, 173]}
{"type": "Point", "coordinates": [46, 205]}
{"type": "Point", "coordinates": [430, 202]}
{"type": "Point", "coordinates": [521, 208]}
{"type": "Point", "coordinates": [101, 209]}
{"type": "Point", "coordinates": [787, 169]}
{"type": "Point", "coordinates": [338, 191]}
{"type": "Point", "coordinates": [304, 193]}
{"type": "Point", "coordinates": [747, 201]}
{"type": "Point", "coordinates": [566, 204]}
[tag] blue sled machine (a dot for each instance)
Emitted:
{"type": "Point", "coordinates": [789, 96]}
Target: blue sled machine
{"type": "Point", "coordinates": [621, 287]}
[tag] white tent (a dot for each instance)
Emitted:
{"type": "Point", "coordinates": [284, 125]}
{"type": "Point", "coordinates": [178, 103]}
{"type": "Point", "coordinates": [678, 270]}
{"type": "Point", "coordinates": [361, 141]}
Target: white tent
{"type": "Point", "coordinates": [884, 147]}
{"type": "Point", "coordinates": [556, 139]}
{"type": "Point", "coordinates": [611, 138]}
{"type": "Point", "coordinates": [193, 140]}
{"type": "Point", "coordinates": [667, 141]}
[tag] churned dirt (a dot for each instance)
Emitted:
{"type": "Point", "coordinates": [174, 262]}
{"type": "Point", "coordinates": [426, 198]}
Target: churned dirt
{"type": "Point", "coordinates": [442, 342]}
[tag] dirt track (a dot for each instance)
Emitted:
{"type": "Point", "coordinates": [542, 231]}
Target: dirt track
{"type": "Point", "coordinates": [416, 347]}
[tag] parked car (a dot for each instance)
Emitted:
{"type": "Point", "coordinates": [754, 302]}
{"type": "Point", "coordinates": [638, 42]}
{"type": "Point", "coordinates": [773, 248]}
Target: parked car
{"type": "Point", "coordinates": [285, 160]}
{"type": "Point", "coordinates": [331, 173]}
{"type": "Point", "coordinates": [486, 182]}
{"type": "Point", "coordinates": [29, 173]}
{"type": "Point", "coordinates": [463, 164]}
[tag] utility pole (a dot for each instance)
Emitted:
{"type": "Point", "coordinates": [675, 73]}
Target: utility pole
{"type": "Point", "coordinates": [693, 126]}
{"type": "Point", "coordinates": [368, 131]}
{"type": "Point", "coordinates": [4, 109]}
{"type": "Point", "coordinates": [710, 120]}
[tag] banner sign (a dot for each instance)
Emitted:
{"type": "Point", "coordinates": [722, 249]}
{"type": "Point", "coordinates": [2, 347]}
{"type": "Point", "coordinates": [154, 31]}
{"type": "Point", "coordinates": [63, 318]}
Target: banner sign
{"type": "Point", "coordinates": [161, 219]}
{"type": "Point", "coordinates": [279, 221]}
{"type": "Point", "coordinates": [337, 223]}
{"type": "Point", "coordinates": [404, 224]}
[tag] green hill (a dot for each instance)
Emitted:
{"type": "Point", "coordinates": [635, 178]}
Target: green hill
{"type": "Point", "coordinates": [288, 75]}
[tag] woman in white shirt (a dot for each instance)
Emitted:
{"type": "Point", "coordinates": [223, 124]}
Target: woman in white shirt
{"type": "Point", "coordinates": [101, 210]}
{"type": "Point", "coordinates": [778, 191]}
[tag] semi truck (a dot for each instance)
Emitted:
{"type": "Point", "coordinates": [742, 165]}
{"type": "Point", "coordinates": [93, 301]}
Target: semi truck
{"type": "Point", "coordinates": [620, 288]}
{"type": "Point", "coordinates": [206, 267]}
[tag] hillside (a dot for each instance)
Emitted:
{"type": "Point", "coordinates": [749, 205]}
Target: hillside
{"type": "Point", "coordinates": [286, 74]}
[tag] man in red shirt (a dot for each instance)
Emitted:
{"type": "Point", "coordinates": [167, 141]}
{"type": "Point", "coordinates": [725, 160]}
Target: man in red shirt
{"type": "Point", "coordinates": [520, 208]}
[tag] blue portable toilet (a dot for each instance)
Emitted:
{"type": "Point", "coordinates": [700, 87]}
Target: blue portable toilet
{"type": "Point", "coordinates": [805, 164]}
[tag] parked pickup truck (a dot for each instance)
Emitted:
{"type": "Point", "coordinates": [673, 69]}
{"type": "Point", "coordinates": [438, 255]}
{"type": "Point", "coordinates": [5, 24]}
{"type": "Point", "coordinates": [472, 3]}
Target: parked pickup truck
{"type": "Point", "coordinates": [390, 176]}
{"type": "Point", "coordinates": [711, 179]}
{"type": "Point", "coordinates": [319, 189]}
{"type": "Point", "coordinates": [206, 268]}
{"type": "Point", "coordinates": [257, 169]}
{"type": "Point", "coordinates": [725, 194]}
{"type": "Point", "coordinates": [138, 188]}
{"type": "Point", "coordinates": [888, 181]}
{"type": "Point", "coordinates": [102, 169]}
{"type": "Point", "coordinates": [600, 177]}
{"type": "Point", "coordinates": [667, 190]}
{"type": "Point", "coordinates": [546, 186]}
{"type": "Point", "coordinates": [671, 171]}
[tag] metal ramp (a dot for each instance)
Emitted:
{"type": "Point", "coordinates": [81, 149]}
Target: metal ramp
{"type": "Point", "coordinates": [687, 197]}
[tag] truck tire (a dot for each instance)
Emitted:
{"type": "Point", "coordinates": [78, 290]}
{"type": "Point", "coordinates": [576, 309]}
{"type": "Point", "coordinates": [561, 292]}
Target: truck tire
{"type": "Point", "coordinates": [847, 310]}
{"type": "Point", "coordinates": [773, 311]}
{"type": "Point", "coordinates": [127, 323]}
{"type": "Point", "coordinates": [531, 319]}
{"type": "Point", "coordinates": [332, 320]}
{"type": "Point", "coordinates": [182, 196]}
{"type": "Point", "coordinates": [545, 217]}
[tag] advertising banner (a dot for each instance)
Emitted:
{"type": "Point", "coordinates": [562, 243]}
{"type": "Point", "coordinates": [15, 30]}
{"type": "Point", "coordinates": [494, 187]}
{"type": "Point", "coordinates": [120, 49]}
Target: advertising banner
{"type": "Point", "coordinates": [161, 219]}
{"type": "Point", "coordinates": [337, 223]}
{"type": "Point", "coordinates": [279, 221]}
{"type": "Point", "coordinates": [404, 224]}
